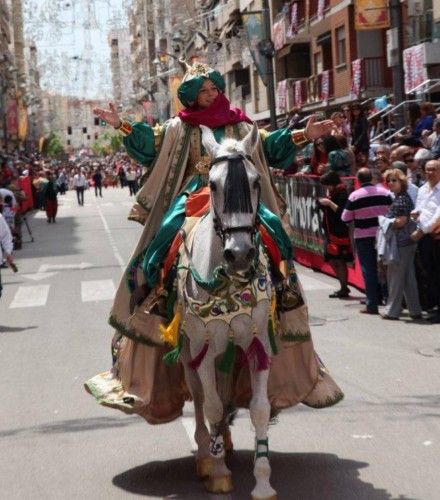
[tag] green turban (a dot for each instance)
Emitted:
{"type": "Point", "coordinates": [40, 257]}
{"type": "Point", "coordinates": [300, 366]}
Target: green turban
{"type": "Point", "coordinates": [193, 80]}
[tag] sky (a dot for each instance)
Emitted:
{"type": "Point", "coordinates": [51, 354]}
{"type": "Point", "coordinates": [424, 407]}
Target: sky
{"type": "Point", "coordinates": [71, 39]}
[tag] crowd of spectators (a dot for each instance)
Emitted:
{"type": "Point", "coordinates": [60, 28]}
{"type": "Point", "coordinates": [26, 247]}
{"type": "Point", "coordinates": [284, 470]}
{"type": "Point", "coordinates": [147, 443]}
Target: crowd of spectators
{"type": "Point", "coordinates": [392, 219]}
{"type": "Point", "coordinates": [34, 182]}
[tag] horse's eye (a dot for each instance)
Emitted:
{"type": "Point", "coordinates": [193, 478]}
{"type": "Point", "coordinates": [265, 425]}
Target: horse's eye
{"type": "Point", "coordinates": [212, 186]}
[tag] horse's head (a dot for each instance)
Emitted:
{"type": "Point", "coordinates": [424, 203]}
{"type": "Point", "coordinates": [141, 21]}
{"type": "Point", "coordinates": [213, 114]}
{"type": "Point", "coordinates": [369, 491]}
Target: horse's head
{"type": "Point", "coordinates": [235, 193]}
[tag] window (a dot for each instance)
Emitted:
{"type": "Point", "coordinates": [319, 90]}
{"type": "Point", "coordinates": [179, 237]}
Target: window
{"type": "Point", "coordinates": [340, 46]}
{"type": "Point", "coordinates": [88, 137]}
{"type": "Point", "coordinates": [68, 142]}
{"type": "Point", "coordinates": [69, 130]}
{"type": "Point", "coordinates": [84, 130]}
{"type": "Point", "coordinates": [96, 121]}
{"type": "Point", "coordinates": [96, 135]}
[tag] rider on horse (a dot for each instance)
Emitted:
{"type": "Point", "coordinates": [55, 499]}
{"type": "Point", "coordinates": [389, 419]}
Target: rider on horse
{"type": "Point", "coordinates": [177, 166]}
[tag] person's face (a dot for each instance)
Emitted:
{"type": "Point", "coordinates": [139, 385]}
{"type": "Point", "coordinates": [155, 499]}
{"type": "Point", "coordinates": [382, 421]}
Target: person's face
{"type": "Point", "coordinates": [207, 94]}
{"type": "Point", "coordinates": [410, 162]}
{"type": "Point", "coordinates": [361, 159]}
{"type": "Point", "coordinates": [346, 112]}
{"type": "Point", "coordinates": [337, 120]}
{"type": "Point", "coordinates": [381, 152]}
{"type": "Point", "coordinates": [432, 173]}
{"type": "Point", "coordinates": [381, 164]}
{"type": "Point", "coordinates": [394, 184]}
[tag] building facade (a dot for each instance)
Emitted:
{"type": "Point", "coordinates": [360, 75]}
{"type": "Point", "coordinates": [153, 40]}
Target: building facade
{"type": "Point", "coordinates": [322, 58]}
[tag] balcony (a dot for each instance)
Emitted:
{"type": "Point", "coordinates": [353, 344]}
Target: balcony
{"type": "Point", "coordinates": [288, 28]}
{"type": "Point", "coordinates": [375, 73]}
{"type": "Point", "coordinates": [313, 90]}
{"type": "Point", "coordinates": [317, 9]}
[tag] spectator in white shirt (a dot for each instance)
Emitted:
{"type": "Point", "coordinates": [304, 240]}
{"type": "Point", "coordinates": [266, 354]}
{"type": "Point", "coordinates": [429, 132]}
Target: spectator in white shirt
{"type": "Point", "coordinates": [427, 214]}
{"type": "Point", "coordinates": [131, 180]}
{"type": "Point", "coordinates": [79, 183]}
{"type": "Point", "coordinates": [6, 245]}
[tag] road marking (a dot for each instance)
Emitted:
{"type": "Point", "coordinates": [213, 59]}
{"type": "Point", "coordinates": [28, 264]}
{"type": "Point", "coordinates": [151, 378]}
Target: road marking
{"type": "Point", "coordinates": [94, 290]}
{"type": "Point", "coordinates": [30, 296]}
{"type": "Point", "coordinates": [109, 204]}
{"type": "Point", "coordinates": [63, 267]}
{"type": "Point", "coordinates": [309, 283]}
{"type": "Point", "coordinates": [116, 253]}
{"type": "Point", "coordinates": [38, 276]}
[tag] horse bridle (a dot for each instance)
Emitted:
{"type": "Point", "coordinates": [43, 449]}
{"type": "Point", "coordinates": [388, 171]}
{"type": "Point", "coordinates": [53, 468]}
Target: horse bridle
{"type": "Point", "coordinates": [225, 232]}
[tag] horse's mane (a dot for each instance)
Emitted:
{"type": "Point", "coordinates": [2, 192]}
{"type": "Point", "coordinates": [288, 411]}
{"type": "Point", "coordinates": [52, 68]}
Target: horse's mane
{"type": "Point", "coordinates": [237, 195]}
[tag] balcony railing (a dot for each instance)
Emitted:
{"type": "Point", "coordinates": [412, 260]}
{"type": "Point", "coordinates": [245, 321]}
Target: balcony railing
{"type": "Point", "coordinates": [314, 7]}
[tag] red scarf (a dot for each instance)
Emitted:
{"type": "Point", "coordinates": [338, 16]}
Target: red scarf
{"type": "Point", "coordinates": [217, 115]}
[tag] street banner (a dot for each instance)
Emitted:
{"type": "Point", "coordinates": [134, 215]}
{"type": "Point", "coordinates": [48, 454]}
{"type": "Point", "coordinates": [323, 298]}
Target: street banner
{"type": "Point", "coordinates": [22, 121]}
{"type": "Point", "coordinates": [306, 220]}
{"type": "Point", "coordinates": [279, 33]}
{"type": "Point", "coordinates": [292, 30]}
{"type": "Point", "coordinates": [298, 94]}
{"type": "Point", "coordinates": [256, 34]}
{"type": "Point", "coordinates": [320, 13]}
{"type": "Point", "coordinates": [356, 77]}
{"type": "Point", "coordinates": [301, 194]}
{"type": "Point", "coordinates": [414, 67]}
{"type": "Point", "coordinates": [12, 117]}
{"type": "Point", "coordinates": [325, 87]}
{"type": "Point", "coordinates": [371, 14]}
{"type": "Point", "coordinates": [282, 95]}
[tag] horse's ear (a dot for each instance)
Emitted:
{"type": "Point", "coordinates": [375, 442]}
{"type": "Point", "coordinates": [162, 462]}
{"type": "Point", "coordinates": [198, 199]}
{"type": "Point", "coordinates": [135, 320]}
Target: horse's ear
{"type": "Point", "coordinates": [251, 140]}
{"type": "Point", "coordinates": [208, 140]}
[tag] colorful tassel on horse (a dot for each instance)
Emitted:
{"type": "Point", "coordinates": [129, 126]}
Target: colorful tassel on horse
{"type": "Point", "coordinates": [257, 352]}
{"type": "Point", "coordinates": [172, 356]}
{"type": "Point", "coordinates": [227, 363]}
{"type": "Point", "coordinates": [170, 333]}
{"type": "Point", "coordinates": [197, 361]}
{"type": "Point", "coordinates": [271, 327]}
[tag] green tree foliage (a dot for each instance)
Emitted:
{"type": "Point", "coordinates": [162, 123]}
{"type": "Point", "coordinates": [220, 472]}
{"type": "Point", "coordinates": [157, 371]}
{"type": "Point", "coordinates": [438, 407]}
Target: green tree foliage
{"type": "Point", "coordinates": [108, 143]}
{"type": "Point", "coordinates": [53, 146]}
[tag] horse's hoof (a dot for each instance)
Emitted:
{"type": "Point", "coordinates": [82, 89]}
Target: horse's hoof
{"type": "Point", "coordinates": [227, 441]}
{"type": "Point", "coordinates": [272, 497]}
{"type": "Point", "coordinates": [219, 484]}
{"type": "Point", "coordinates": [204, 466]}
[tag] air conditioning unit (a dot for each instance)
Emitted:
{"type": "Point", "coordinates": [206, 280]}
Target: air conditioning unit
{"type": "Point", "coordinates": [415, 8]}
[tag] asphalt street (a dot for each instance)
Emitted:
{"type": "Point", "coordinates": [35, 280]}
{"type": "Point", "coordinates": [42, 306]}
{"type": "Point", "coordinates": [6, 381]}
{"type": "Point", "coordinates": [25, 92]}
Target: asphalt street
{"type": "Point", "coordinates": [382, 442]}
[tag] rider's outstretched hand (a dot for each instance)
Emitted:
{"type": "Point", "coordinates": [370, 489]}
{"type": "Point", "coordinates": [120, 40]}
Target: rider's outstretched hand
{"type": "Point", "coordinates": [109, 115]}
{"type": "Point", "coordinates": [315, 129]}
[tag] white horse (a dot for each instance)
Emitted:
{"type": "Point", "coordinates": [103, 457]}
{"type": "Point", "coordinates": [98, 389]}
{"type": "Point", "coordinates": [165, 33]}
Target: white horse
{"type": "Point", "coordinates": [212, 322]}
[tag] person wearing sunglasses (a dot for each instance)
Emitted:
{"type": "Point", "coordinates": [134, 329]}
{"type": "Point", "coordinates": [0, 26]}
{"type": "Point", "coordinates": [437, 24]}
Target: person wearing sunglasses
{"type": "Point", "coordinates": [401, 278]}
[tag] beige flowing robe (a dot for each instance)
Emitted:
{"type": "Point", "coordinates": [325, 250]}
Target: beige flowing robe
{"type": "Point", "coordinates": [139, 381]}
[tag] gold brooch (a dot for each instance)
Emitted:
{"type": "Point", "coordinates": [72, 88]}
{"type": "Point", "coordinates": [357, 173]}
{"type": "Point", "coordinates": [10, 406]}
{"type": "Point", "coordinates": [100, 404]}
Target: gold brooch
{"type": "Point", "coordinates": [203, 165]}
